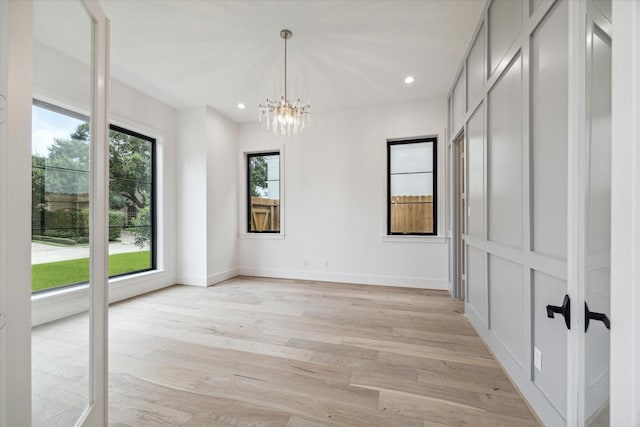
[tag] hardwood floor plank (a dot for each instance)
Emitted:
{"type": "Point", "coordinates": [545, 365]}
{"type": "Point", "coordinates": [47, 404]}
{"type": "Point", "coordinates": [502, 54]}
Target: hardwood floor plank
{"type": "Point", "coordinates": [460, 374]}
{"type": "Point", "coordinates": [424, 351]}
{"type": "Point", "coordinates": [446, 412]}
{"type": "Point", "coordinates": [496, 403]}
{"type": "Point", "coordinates": [203, 410]}
{"type": "Point", "coordinates": [264, 352]}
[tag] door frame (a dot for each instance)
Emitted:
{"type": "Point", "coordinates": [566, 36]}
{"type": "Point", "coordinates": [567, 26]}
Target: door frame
{"type": "Point", "coordinates": [625, 216]}
{"type": "Point", "coordinates": [459, 246]}
{"type": "Point", "coordinates": [15, 197]}
{"type": "Point", "coordinates": [96, 413]}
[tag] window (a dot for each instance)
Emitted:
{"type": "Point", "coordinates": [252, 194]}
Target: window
{"type": "Point", "coordinates": [60, 158]}
{"type": "Point", "coordinates": [263, 192]}
{"type": "Point", "coordinates": [131, 202]}
{"type": "Point", "coordinates": [411, 187]}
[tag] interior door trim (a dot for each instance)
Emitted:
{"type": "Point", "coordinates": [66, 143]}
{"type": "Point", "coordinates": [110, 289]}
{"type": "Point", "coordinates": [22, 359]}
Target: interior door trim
{"type": "Point", "coordinates": [96, 413]}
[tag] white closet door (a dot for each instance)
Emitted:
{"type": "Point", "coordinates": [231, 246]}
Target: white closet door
{"type": "Point", "coordinates": [590, 215]}
{"type": "Point", "coordinates": [597, 238]}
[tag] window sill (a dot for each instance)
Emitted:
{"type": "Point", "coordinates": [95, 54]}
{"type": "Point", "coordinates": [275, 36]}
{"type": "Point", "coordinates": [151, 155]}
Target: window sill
{"type": "Point", "coordinates": [61, 293]}
{"type": "Point", "coordinates": [412, 239]}
{"type": "Point", "coordinates": [140, 276]}
{"type": "Point", "coordinates": [261, 236]}
{"type": "Point", "coordinates": [83, 288]}
{"type": "Point", "coordinates": [58, 303]}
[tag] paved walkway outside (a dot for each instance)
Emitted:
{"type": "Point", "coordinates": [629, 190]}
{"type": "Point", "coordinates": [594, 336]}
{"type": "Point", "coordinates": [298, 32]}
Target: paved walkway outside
{"type": "Point", "coordinates": [41, 253]}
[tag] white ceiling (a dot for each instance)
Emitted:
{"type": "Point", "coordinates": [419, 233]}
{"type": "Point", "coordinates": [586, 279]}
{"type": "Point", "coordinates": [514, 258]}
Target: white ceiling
{"type": "Point", "coordinates": [344, 54]}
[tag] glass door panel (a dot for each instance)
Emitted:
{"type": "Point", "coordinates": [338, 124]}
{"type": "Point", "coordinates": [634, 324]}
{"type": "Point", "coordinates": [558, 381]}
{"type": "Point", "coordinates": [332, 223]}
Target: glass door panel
{"type": "Point", "coordinates": [63, 212]}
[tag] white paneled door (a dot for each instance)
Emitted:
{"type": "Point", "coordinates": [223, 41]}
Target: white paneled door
{"type": "Point", "coordinates": [590, 217]}
{"type": "Point", "coordinates": [597, 239]}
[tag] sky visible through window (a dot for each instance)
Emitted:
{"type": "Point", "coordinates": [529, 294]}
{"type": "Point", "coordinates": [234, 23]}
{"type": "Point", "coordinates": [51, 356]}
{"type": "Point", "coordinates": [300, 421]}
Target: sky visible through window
{"type": "Point", "coordinates": [411, 169]}
{"type": "Point", "coordinates": [47, 126]}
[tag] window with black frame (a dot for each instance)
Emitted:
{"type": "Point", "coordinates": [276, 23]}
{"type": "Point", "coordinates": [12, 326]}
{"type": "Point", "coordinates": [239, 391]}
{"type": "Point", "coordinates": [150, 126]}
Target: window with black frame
{"type": "Point", "coordinates": [411, 187]}
{"type": "Point", "coordinates": [60, 199]}
{"type": "Point", "coordinates": [131, 201]}
{"type": "Point", "coordinates": [263, 192]}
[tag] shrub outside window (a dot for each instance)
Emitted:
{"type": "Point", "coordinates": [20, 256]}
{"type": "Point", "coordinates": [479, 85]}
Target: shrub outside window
{"type": "Point", "coordinates": [60, 199]}
{"type": "Point", "coordinates": [263, 192]}
{"type": "Point", "coordinates": [411, 187]}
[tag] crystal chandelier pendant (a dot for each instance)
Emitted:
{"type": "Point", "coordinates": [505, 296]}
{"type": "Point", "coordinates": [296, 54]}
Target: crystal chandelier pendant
{"type": "Point", "coordinates": [284, 117]}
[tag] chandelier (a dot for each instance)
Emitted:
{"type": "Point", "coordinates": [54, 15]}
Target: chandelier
{"type": "Point", "coordinates": [285, 117]}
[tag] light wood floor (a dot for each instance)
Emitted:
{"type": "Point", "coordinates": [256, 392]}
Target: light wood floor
{"type": "Point", "coordinates": [288, 353]}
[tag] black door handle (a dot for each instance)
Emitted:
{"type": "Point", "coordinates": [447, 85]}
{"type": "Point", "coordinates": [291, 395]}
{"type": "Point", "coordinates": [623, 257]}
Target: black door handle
{"type": "Point", "coordinates": [588, 315]}
{"type": "Point", "coordinates": [564, 309]}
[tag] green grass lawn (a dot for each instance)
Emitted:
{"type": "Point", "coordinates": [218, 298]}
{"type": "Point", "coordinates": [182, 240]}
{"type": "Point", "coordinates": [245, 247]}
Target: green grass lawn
{"type": "Point", "coordinates": [55, 274]}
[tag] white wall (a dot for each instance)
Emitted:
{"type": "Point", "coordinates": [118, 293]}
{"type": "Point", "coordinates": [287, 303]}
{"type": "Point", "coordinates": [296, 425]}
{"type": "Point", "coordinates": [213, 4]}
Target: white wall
{"type": "Point", "coordinates": [59, 80]}
{"type": "Point", "coordinates": [222, 197]}
{"type": "Point", "coordinates": [191, 197]}
{"type": "Point", "coordinates": [207, 197]}
{"type": "Point", "coordinates": [334, 200]}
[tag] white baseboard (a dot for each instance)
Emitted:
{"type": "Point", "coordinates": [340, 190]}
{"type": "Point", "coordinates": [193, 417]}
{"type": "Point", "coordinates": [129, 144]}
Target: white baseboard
{"type": "Point", "coordinates": [209, 280]}
{"type": "Point", "coordinates": [222, 276]}
{"type": "Point", "coordinates": [399, 281]}
{"type": "Point", "coordinates": [192, 281]}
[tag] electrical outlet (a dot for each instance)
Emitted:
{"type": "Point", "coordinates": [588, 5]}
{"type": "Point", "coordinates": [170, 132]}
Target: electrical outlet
{"type": "Point", "coordinates": [325, 262]}
{"type": "Point", "coordinates": [306, 262]}
{"type": "Point", "coordinates": [537, 358]}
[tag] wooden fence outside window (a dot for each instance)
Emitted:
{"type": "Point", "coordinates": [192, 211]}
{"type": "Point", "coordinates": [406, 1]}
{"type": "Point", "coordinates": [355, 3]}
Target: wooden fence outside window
{"type": "Point", "coordinates": [411, 214]}
{"type": "Point", "coordinates": [265, 214]}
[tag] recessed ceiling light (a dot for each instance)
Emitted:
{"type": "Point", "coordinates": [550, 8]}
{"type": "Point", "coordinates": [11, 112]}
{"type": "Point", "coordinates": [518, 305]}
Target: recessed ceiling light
{"type": "Point", "coordinates": [409, 79]}
{"type": "Point", "coordinates": [241, 106]}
